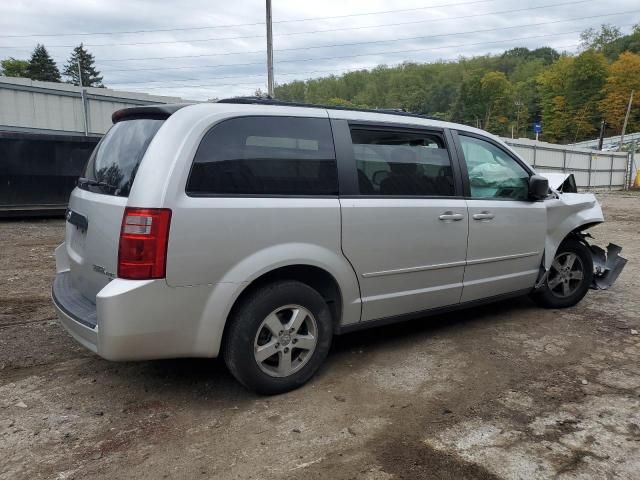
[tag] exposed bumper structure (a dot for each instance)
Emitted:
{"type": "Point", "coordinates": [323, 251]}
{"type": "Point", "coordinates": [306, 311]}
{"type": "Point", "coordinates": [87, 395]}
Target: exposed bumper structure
{"type": "Point", "coordinates": [607, 265]}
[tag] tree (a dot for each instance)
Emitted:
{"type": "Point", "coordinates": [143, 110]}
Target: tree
{"type": "Point", "coordinates": [12, 67]}
{"type": "Point", "coordinates": [291, 92]}
{"type": "Point", "coordinates": [501, 92]}
{"type": "Point", "coordinates": [497, 96]}
{"type": "Point", "coordinates": [42, 67]}
{"type": "Point", "coordinates": [590, 38]}
{"type": "Point", "coordinates": [624, 77]}
{"type": "Point", "coordinates": [552, 89]}
{"type": "Point", "coordinates": [90, 76]}
{"type": "Point", "coordinates": [610, 41]}
{"type": "Point", "coordinates": [585, 81]}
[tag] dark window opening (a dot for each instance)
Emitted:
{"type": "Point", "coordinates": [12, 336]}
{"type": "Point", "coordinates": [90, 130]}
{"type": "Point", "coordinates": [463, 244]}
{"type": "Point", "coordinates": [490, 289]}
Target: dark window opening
{"type": "Point", "coordinates": [266, 156]}
{"type": "Point", "coordinates": [116, 158]}
{"type": "Point", "coordinates": [392, 163]}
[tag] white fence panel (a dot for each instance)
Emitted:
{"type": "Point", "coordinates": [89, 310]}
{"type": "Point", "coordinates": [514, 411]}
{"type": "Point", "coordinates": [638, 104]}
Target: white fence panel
{"type": "Point", "coordinates": [591, 169]}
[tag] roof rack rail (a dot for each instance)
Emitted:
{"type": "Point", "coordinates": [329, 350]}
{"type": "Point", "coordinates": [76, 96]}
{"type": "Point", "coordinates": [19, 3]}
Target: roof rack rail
{"type": "Point", "coordinates": [273, 101]}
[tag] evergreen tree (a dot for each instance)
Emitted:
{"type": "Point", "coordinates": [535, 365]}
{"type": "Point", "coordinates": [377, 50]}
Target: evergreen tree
{"type": "Point", "coordinates": [90, 76]}
{"type": "Point", "coordinates": [42, 67]}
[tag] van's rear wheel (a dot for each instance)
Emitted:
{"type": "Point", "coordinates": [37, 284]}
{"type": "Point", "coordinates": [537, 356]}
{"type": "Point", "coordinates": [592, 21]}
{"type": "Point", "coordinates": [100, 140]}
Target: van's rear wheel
{"type": "Point", "coordinates": [278, 337]}
{"type": "Point", "coordinates": [569, 277]}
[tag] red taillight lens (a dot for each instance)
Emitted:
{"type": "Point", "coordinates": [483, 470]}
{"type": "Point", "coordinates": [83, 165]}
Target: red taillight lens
{"type": "Point", "coordinates": [144, 236]}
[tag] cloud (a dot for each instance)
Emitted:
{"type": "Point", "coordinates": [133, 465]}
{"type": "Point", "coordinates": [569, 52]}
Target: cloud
{"type": "Point", "coordinates": [218, 60]}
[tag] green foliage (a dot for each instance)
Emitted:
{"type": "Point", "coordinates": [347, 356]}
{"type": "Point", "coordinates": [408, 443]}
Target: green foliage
{"type": "Point", "coordinates": [500, 93]}
{"type": "Point", "coordinates": [610, 42]}
{"type": "Point", "coordinates": [90, 76]}
{"type": "Point", "coordinates": [12, 67]}
{"type": "Point", "coordinates": [42, 67]}
{"type": "Point", "coordinates": [624, 78]}
{"type": "Point", "coordinates": [590, 38]}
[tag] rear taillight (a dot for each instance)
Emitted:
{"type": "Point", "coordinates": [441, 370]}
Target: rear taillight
{"type": "Point", "coordinates": [142, 253]}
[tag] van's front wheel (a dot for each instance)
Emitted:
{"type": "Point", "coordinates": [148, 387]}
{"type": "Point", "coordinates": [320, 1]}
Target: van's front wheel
{"type": "Point", "coordinates": [278, 337]}
{"type": "Point", "coordinates": [569, 277]}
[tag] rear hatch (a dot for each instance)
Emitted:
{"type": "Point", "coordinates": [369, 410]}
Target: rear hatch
{"type": "Point", "coordinates": [96, 206]}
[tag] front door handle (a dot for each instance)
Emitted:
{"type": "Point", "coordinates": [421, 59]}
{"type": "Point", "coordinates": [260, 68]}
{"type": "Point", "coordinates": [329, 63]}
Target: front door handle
{"type": "Point", "coordinates": [483, 216]}
{"type": "Point", "coordinates": [450, 216]}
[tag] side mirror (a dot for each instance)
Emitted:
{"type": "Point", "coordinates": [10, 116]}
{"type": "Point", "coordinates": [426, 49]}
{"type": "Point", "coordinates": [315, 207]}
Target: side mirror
{"type": "Point", "coordinates": [538, 187]}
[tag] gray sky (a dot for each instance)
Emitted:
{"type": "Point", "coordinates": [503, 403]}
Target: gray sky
{"type": "Point", "coordinates": [213, 40]}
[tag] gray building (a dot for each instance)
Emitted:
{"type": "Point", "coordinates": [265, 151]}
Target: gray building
{"type": "Point", "coordinates": [57, 108]}
{"type": "Point", "coordinates": [47, 133]}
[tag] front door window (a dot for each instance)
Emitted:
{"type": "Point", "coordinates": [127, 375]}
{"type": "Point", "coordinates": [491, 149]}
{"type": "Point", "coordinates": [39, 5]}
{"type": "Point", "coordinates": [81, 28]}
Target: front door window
{"type": "Point", "coordinates": [493, 173]}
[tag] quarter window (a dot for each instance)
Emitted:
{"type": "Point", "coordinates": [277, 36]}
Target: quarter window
{"type": "Point", "coordinates": [266, 156]}
{"type": "Point", "coordinates": [493, 173]}
{"type": "Point", "coordinates": [394, 163]}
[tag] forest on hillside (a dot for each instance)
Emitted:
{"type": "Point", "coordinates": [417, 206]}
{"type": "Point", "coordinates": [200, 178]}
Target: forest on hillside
{"type": "Point", "coordinates": [569, 94]}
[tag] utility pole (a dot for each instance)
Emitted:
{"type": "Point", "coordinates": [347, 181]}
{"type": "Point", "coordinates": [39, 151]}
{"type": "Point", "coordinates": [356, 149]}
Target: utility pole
{"type": "Point", "coordinates": [83, 99]}
{"type": "Point", "coordinates": [603, 125]}
{"type": "Point", "coordinates": [269, 51]}
{"type": "Point", "coordinates": [626, 120]}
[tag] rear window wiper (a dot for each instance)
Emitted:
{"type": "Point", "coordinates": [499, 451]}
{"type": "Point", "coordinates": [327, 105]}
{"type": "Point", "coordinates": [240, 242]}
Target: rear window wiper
{"type": "Point", "coordinates": [83, 181]}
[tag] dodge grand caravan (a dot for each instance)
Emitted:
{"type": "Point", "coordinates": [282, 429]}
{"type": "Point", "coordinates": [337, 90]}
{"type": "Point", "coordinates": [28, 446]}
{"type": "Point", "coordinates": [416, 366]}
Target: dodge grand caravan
{"type": "Point", "coordinates": [256, 230]}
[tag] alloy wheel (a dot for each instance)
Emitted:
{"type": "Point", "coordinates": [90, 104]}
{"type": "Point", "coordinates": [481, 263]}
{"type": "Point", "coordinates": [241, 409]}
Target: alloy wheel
{"type": "Point", "coordinates": [565, 275]}
{"type": "Point", "coordinates": [285, 340]}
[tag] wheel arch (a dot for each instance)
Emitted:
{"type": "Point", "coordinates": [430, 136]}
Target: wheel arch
{"type": "Point", "coordinates": [317, 278]}
{"type": "Point", "coordinates": [569, 214]}
{"type": "Point", "coordinates": [326, 271]}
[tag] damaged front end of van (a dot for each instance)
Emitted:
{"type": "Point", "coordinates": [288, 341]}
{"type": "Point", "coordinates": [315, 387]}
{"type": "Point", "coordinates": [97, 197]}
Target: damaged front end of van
{"type": "Point", "coordinates": [572, 213]}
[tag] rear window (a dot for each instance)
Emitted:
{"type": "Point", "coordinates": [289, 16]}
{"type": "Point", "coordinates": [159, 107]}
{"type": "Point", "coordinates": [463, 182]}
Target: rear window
{"type": "Point", "coordinates": [115, 160]}
{"type": "Point", "coordinates": [266, 156]}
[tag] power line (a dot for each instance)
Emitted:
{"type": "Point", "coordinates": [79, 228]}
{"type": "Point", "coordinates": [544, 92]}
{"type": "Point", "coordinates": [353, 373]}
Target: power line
{"type": "Point", "coordinates": [262, 84]}
{"type": "Point", "coordinates": [147, 43]}
{"type": "Point", "coordinates": [211, 39]}
{"type": "Point", "coordinates": [220, 78]}
{"type": "Point", "coordinates": [375, 53]}
{"type": "Point", "coordinates": [428, 49]}
{"type": "Point", "coordinates": [226, 77]}
{"type": "Point", "coordinates": [380, 12]}
{"type": "Point", "coordinates": [346, 44]}
{"type": "Point", "coordinates": [333, 70]}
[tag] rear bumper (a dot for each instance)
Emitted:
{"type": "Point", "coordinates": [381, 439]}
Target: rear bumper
{"type": "Point", "coordinates": [77, 315]}
{"type": "Point", "coordinates": [136, 319]}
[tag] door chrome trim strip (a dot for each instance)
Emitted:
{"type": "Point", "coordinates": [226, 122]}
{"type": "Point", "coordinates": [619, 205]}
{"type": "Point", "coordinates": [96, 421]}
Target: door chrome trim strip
{"type": "Point", "coordinates": [501, 258]}
{"type": "Point", "coordinates": [423, 268]}
{"type": "Point", "coordinates": [408, 293]}
{"type": "Point", "coordinates": [439, 266]}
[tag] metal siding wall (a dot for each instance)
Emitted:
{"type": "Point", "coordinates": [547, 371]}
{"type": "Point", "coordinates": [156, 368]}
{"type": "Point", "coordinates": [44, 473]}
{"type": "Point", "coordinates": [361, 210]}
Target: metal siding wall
{"type": "Point", "coordinates": [99, 112]}
{"type": "Point", "coordinates": [591, 169]}
{"type": "Point", "coordinates": [58, 106]}
{"type": "Point", "coordinates": [18, 108]}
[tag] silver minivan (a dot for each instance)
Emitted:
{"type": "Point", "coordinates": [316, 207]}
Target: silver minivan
{"type": "Point", "coordinates": [256, 230]}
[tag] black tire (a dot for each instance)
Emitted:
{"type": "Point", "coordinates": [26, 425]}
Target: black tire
{"type": "Point", "coordinates": [551, 295]}
{"type": "Point", "coordinates": [246, 328]}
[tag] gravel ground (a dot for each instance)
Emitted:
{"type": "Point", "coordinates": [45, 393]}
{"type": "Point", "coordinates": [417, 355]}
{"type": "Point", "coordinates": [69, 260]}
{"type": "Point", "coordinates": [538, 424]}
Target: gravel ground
{"type": "Point", "coordinates": [504, 391]}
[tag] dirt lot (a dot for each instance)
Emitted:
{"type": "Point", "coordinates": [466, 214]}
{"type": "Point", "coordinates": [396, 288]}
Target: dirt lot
{"type": "Point", "coordinates": [505, 391]}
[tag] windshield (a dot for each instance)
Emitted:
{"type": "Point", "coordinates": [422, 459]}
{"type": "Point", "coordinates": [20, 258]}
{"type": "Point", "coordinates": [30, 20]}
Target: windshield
{"type": "Point", "coordinates": [115, 160]}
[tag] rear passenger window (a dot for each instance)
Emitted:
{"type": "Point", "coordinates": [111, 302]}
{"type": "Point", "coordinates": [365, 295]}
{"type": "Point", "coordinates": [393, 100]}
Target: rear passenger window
{"type": "Point", "coordinates": [393, 163]}
{"type": "Point", "coordinates": [266, 156]}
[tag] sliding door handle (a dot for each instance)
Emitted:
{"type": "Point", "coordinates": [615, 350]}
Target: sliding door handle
{"type": "Point", "coordinates": [450, 216]}
{"type": "Point", "coordinates": [483, 216]}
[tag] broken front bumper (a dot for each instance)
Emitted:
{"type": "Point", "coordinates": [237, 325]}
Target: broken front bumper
{"type": "Point", "coordinates": [607, 266]}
